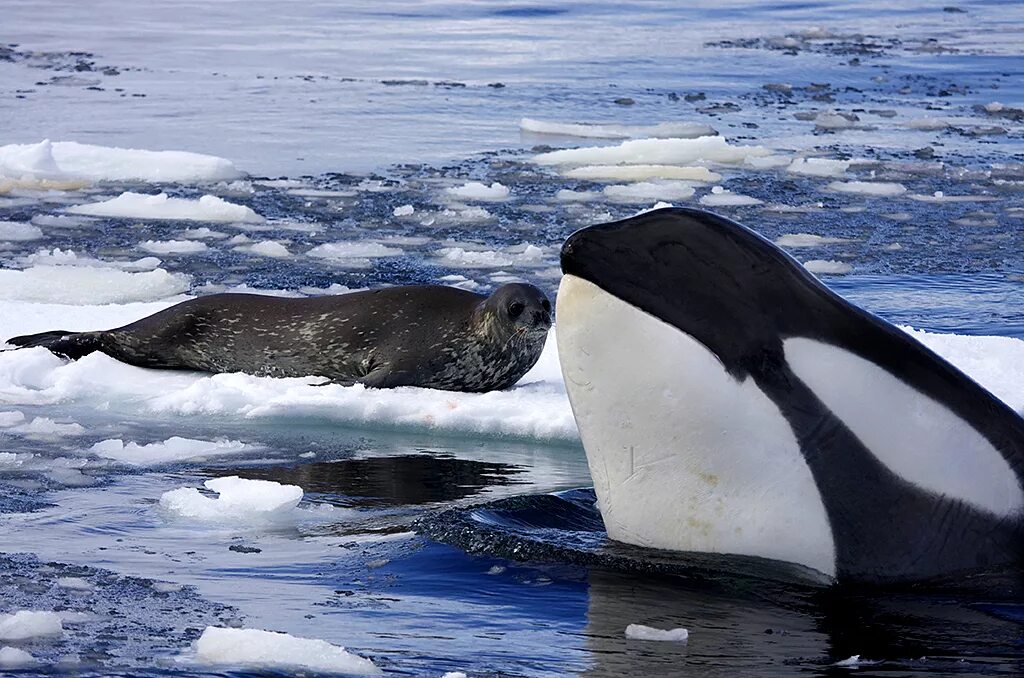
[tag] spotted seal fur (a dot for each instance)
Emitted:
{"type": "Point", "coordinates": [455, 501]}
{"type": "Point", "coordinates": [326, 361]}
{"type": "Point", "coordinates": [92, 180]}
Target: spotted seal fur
{"type": "Point", "coordinates": [419, 335]}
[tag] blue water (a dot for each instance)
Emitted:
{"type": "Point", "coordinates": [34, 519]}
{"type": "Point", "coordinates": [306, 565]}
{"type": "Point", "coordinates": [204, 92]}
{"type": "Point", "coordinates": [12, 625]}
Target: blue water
{"type": "Point", "coordinates": [485, 555]}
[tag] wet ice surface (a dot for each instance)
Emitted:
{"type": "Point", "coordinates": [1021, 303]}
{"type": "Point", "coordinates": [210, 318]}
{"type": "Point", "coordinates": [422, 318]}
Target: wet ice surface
{"type": "Point", "coordinates": [888, 157]}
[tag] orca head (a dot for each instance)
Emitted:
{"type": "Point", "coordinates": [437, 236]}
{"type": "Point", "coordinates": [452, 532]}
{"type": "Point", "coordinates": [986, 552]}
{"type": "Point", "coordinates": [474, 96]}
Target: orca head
{"type": "Point", "coordinates": [715, 280]}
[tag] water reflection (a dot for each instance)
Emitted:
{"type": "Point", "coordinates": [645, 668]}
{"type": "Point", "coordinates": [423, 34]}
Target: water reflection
{"type": "Point", "coordinates": [393, 480]}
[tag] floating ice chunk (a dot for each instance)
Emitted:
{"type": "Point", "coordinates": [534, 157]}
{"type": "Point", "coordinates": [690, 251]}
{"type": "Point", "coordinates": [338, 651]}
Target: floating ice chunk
{"type": "Point", "coordinates": [939, 196]}
{"type": "Point", "coordinates": [61, 220]}
{"type": "Point", "coordinates": [655, 152]}
{"type": "Point", "coordinates": [74, 584]}
{"type": "Point", "coordinates": [341, 251]}
{"type": "Point", "coordinates": [879, 188]}
{"type": "Point", "coordinates": [720, 197]}
{"type": "Point", "coordinates": [202, 233]}
{"type": "Point", "coordinates": [677, 130]}
{"type": "Point", "coordinates": [71, 160]}
{"type": "Point", "coordinates": [854, 661]}
{"type": "Point", "coordinates": [25, 624]}
{"type": "Point", "coordinates": [454, 674]}
{"type": "Point", "coordinates": [834, 121]}
{"type": "Point", "coordinates": [641, 632]}
{"type": "Point", "coordinates": [59, 257]}
{"type": "Point", "coordinates": [459, 257]}
{"type": "Point", "coordinates": [475, 190]}
{"type": "Point", "coordinates": [173, 246]}
{"type": "Point", "coordinates": [267, 649]}
{"type": "Point", "coordinates": [807, 240]}
{"type": "Point", "coordinates": [11, 418]}
{"type": "Point", "coordinates": [818, 167]}
{"type": "Point", "coordinates": [44, 427]}
{"type": "Point", "coordinates": [403, 211]}
{"type": "Point", "coordinates": [827, 266]}
{"type": "Point", "coordinates": [13, 658]}
{"type": "Point", "coordinates": [240, 500]}
{"type": "Point", "coordinates": [171, 450]}
{"type": "Point", "coordinates": [267, 248]}
{"type": "Point", "coordinates": [160, 206]}
{"type": "Point", "coordinates": [645, 191]}
{"type": "Point", "coordinates": [19, 232]}
{"type": "Point", "coordinates": [566, 195]}
{"type": "Point", "coordinates": [89, 285]}
{"type": "Point", "coordinates": [642, 173]}
{"type": "Point", "coordinates": [767, 161]}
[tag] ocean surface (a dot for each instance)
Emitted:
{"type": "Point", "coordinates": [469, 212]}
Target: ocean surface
{"type": "Point", "coordinates": [441, 533]}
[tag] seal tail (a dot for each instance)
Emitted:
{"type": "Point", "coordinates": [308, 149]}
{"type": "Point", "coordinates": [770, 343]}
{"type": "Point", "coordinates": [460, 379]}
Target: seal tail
{"type": "Point", "coordinates": [73, 345]}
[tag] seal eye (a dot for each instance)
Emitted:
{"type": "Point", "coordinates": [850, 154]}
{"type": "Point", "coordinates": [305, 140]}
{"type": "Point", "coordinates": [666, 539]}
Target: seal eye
{"type": "Point", "coordinates": [515, 309]}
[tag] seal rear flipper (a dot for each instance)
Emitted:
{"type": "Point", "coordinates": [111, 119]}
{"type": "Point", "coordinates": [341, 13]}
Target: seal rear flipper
{"type": "Point", "coordinates": [73, 345]}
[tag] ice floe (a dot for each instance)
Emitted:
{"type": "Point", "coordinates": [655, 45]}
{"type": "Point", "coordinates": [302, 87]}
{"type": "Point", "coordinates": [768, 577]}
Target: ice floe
{"type": "Point", "coordinates": [88, 285]}
{"type": "Point", "coordinates": [655, 152]}
{"type": "Point", "coordinates": [537, 408]}
{"type": "Point", "coordinates": [525, 254]}
{"type": "Point", "coordinates": [16, 231]}
{"type": "Point", "coordinates": [14, 658]}
{"type": "Point", "coordinates": [59, 257]}
{"type": "Point", "coordinates": [641, 632]}
{"type": "Point", "coordinates": [827, 266]}
{"type": "Point", "coordinates": [642, 173]}
{"type": "Point", "coordinates": [879, 188]}
{"type": "Point", "coordinates": [678, 130]}
{"type": "Point", "coordinates": [25, 624]}
{"type": "Point", "coordinates": [255, 648]}
{"type": "Point", "coordinates": [173, 246]}
{"type": "Point", "coordinates": [266, 248]}
{"type": "Point", "coordinates": [403, 211]}
{"type": "Point", "coordinates": [721, 197]}
{"type": "Point", "coordinates": [131, 205]}
{"type": "Point", "coordinates": [344, 252]}
{"type": "Point", "coordinates": [239, 501]}
{"type": "Point", "coordinates": [818, 167]}
{"type": "Point", "coordinates": [807, 240]}
{"type": "Point", "coordinates": [70, 161]}
{"type": "Point", "coordinates": [646, 191]}
{"type": "Point", "coordinates": [167, 451]}
{"type": "Point", "coordinates": [475, 190]}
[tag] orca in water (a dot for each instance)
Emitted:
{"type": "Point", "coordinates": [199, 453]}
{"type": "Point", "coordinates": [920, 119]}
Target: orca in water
{"type": "Point", "coordinates": [730, 403]}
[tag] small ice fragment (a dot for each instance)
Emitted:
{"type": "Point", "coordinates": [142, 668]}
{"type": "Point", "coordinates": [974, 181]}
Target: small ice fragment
{"type": "Point", "coordinates": [454, 674]}
{"type": "Point", "coordinates": [166, 587]}
{"type": "Point", "coordinates": [641, 632]}
{"type": "Point", "coordinates": [268, 649]}
{"type": "Point", "coordinates": [806, 240]}
{"type": "Point", "coordinates": [11, 418]}
{"type": "Point", "coordinates": [13, 658]}
{"type": "Point", "coordinates": [854, 661]}
{"type": "Point", "coordinates": [240, 500]}
{"type": "Point", "coordinates": [879, 188]}
{"type": "Point", "coordinates": [403, 211]}
{"type": "Point", "coordinates": [74, 583]}
{"type": "Point", "coordinates": [174, 448]}
{"type": "Point", "coordinates": [475, 190]}
{"type": "Point", "coordinates": [17, 231]}
{"type": "Point", "coordinates": [827, 266]}
{"type": "Point", "coordinates": [161, 206]}
{"type": "Point", "coordinates": [29, 624]}
{"type": "Point", "coordinates": [496, 569]}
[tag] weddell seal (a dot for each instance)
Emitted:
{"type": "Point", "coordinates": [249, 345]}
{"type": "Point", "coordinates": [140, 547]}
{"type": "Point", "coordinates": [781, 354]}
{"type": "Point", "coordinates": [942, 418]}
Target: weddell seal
{"type": "Point", "coordinates": [419, 335]}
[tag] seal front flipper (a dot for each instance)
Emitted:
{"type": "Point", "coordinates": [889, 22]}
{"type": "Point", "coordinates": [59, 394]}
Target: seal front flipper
{"type": "Point", "coordinates": [73, 345]}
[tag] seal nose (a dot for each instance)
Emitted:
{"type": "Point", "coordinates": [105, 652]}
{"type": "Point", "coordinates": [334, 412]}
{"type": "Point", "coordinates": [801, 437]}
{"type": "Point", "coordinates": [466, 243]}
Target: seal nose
{"type": "Point", "coordinates": [542, 318]}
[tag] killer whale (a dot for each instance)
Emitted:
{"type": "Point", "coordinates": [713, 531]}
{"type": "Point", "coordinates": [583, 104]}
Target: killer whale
{"type": "Point", "coordinates": [729, 402]}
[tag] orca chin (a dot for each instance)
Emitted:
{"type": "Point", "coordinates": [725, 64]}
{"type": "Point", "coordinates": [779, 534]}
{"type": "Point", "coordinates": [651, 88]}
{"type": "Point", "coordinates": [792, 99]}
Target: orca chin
{"type": "Point", "coordinates": [730, 403]}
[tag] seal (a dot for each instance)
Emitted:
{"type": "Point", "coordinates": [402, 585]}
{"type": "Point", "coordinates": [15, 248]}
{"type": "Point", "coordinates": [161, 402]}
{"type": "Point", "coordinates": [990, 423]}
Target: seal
{"type": "Point", "coordinates": [420, 335]}
{"type": "Point", "coordinates": [731, 403]}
